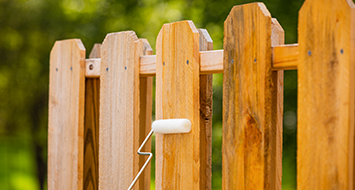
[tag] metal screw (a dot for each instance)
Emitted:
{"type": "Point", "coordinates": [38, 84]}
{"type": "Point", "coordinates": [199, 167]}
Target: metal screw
{"type": "Point", "coordinates": [106, 68]}
{"type": "Point", "coordinates": [71, 68]}
{"type": "Point", "coordinates": [187, 61]}
{"type": "Point", "coordinates": [341, 51]}
{"type": "Point", "coordinates": [309, 53]}
{"type": "Point", "coordinates": [232, 60]}
{"type": "Point", "coordinates": [91, 67]}
{"type": "Point", "coordinates": [163, 63]}
{"type": "Point", "coordinates": [125, 68]}
{"type": "Point", "coordinates": [56, 69]}
{"type": "Point", "coordinates": [255, 60]}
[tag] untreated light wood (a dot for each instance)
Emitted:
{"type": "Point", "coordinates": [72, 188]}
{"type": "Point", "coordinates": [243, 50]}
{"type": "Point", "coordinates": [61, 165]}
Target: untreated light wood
{"type": "Point", "coordinates": [145, 115]}
{"type": "Point", "coordinates": [326, 82]}
{"type": "Point", "coordinates": [211, 62]}
{"type": "Point", "coordinates": [177, 96]}
{"type": "Point", "coordinates": [91, 127]}
{"type": "Point", "coordinates": [251, 106]}
{"type": "Point", "coordinates": [147, 65]}
{"type": "Point", "coordinates": [206, 102]}
{"type": "Point", "coordinates": [119, 110]}
{"type": "Point", "coordinates": [92, 68]}
{"type": "Point", "coordinates": [285, 57]}
{"type": "Point", "coordinates": [66, 115]}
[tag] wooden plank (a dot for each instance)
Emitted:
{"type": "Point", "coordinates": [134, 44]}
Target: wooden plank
{"type": "Point", "coordinates": [177, 96]}
{"type": "Point", "coordinates": [250, 101]}
{"type": "Point", "coordinates": [66, 115]}
{"type": "Point", "coordinates": [119, 111]}
{"type": "Point", "coordinates": [285, 57]}
{"type": "Point", "coordinates": [211, 62]}
{"type": "Point", "coordinates": [91, 127]}
{"type": "Point", "coordinates": [274, 159]}
{"type": "Point", "coordinates": [206, 102]}
{"type": "Point", "coordinates": [325, 131]}
{"type": "Point", "coordinates": [147, 65]}
{"type": "Point", "coordinates": [145, 115]}
{"type": "Point", "coordinates": [92, 66]}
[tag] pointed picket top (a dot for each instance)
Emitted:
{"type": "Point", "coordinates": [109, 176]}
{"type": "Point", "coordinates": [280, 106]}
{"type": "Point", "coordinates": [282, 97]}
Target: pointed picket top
{"type": "Point", "coordinates": [66, 115]}
{"type": "Point", "coordinates": [252, 114]}
{"type": "Point", "coordinates": [177, 96]}
{"type": "Point", "coordinates": [119, 110]}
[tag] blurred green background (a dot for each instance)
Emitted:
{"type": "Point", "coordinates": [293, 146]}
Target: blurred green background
{"type": "Point", "coordinates": [28, 30]}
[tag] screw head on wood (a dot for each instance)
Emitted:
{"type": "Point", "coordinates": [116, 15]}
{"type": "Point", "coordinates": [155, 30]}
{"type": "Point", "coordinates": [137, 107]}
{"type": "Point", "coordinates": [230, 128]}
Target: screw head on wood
{"type": "Point", "coordinates": [309, 53]}
{"type": "Point", "coordinates": [341, 51]}
{"type": "Point", "coordinates": [56, 69]}
{"type": "Point", "coordinates": [91, 67]}
{"type": "Point", "coordinates": [125, 68]}
{"type": "Point", "coordinates": [106, 68]}
{"type": "Point", "coordinates": [187, 62]}
{"type": "Point", "coordinates": [71, 68]}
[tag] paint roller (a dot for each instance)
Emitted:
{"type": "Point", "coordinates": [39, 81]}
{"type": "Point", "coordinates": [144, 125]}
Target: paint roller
{"type": "Point", "coordinates": [164, 126]}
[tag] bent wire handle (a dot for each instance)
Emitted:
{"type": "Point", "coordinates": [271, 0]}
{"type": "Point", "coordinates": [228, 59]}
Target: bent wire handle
{"type": "Point", "coordinates": [146, 162]}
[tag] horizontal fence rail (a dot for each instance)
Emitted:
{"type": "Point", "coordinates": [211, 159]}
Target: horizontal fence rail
{"type": "Point", "coordinates": [100, 109]}
{"type": "Point", "coordinates": [211, 62]}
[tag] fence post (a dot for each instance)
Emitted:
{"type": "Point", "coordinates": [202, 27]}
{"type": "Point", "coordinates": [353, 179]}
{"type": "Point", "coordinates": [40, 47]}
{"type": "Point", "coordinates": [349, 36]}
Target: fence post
{"type": "Point", "coordinates": [206, 102]}
{"type": "Point", "coordinates": [91, 127]}
{"type": "Point", "coordinates": [252, 106]}
{"type": "Point", "coordinates": [177, 96]}
{"type": "Point", "coordinates": [119, 110]}
{"type": "Point", "coordinates": [145, 120]}
{"type": "Point", "coordinates": [326, 83]}
{"type": "Point", "coordinates": [66, 115]}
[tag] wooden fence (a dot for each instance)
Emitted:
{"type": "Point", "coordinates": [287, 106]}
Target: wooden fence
{"type": "Point", "coordinates": [100, 108]}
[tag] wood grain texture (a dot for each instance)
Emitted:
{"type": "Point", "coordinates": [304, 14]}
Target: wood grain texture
{"type": "Point", "coordinates": [145, 115]}
{"type": "Point", "coordinates": [92, 68]}
{"type": "Point", "coordinates": [119, 111]}
{"type": "Point", "coordinates": [274, 159]}
{"type": "Point", "coordinates": [91, 128]}
{"type": "Point", "coordinates": [325, 130]}
{"type": "Point", "coordinates": [177, 96]}
{"type": "Point", "coordinates": [285, 57]}
{"type": "Point", "coordinates": [211, 62]}
{"type": "Point", "coordinates": [66, 115]}
{"type": "Point", "coordinates": [206, 102]}
{"type": "Point", "coordinates": [147, 65]}
{"type": "Point", "coordinates": [251, 106]}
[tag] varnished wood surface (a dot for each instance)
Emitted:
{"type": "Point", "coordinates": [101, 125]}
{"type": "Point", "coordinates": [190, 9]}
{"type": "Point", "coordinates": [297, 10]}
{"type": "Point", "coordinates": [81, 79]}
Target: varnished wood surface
{"type": "Point", "coordinates": [251, 109]}
{"type": "Point", "coordinates": [326, 82]}
{"type": "Point", "coordinates": [177, 96]}
{"type": "Point", "coordinates": [206, 102]}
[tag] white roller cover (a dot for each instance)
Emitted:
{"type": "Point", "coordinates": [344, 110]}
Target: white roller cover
{"type": "Point", "coordinates": [168, 126]}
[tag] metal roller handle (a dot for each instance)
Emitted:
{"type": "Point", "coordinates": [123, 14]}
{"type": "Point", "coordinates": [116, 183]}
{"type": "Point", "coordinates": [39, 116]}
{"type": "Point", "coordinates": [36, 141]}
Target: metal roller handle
{"type": "Point", "coordinates": [146, 162]}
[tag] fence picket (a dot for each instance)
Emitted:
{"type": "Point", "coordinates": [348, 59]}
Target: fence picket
{"type": "Point", "coordinates": [177, 96]}
{"type": "Point", "coordinates": [326, 82]}
{"type": "Point", "coordinates": [250, 104]}
{"type": "Point", "coordinates": [66, 115]}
